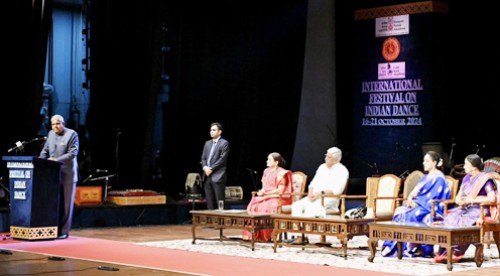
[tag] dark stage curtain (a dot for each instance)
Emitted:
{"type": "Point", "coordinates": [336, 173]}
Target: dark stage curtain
{"type": "Point", "coordinates": [237, 63]}
{"type": "Point", "coordinates": [26, 33]}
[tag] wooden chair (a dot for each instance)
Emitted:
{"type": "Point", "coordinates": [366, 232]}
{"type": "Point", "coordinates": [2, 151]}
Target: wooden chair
{"type": "Point", "coordinates": [453, 185]}
{"type": "Point", "coordinates": [331, 212]}
{"type": "Point", "coordinates": [409, 184]}
{"type": "Point", "coordinates": [193, 185]}
{"type": "Point", "coordinates": [299, 182]}
{"type": "Point", "coordinates": [491, 226]}
{"type": "Point", "coordinates": [381, 197]}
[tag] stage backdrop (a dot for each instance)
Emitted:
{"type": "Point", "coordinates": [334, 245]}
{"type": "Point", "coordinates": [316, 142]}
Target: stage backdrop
{"type": "Point", "coordinates": [398, 78]}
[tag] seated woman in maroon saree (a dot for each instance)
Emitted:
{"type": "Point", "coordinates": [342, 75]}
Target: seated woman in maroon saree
{"type": "Point", "coordinates": [477, 187]}
{"type": "Point", "coordinates": [275, 181]}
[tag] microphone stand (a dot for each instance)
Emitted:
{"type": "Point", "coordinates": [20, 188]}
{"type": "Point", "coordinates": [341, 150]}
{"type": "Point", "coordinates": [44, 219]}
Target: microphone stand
{"type": "Point", "coordinates": [118, 133]}
{"type": "Point", "coordinates": [373, 167]}
{"type": "Point", "coordinates": [253, 175]}
{"type": "Point", "coordinates": [106, 184]}
{"type": "Point", "coordinates": [450, 162]}
{"type": "Point", "coordinates": [479, 147]}
{"type": "Point", "coordinates": [3, 186]}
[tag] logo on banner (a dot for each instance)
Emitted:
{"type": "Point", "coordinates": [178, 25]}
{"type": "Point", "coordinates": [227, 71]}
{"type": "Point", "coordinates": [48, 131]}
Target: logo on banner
{"type": "Point", "coordinates": [391, 70]}
{"type": "Point", "coordinates": [391, 49]}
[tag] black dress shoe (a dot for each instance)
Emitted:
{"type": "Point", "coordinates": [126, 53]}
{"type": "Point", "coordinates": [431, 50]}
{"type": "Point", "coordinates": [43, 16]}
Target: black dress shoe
{"type": "Point", "coordinates": [290, 241]}
{"type": "Point", "coordinates": [301, 241]}
{"type": "Point", "coordinates": [63, 236]}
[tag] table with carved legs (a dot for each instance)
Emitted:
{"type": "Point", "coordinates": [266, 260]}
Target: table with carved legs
{"type": "Point", "coordinates": [342, 228]}
{"type": "Point", "coordinates": [419, 233]}
{"type": "Point", "coordinates": [230, 219]}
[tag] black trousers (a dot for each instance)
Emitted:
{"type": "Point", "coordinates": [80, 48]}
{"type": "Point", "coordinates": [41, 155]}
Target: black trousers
{"type": "Point", "coordinates": [214, 191]}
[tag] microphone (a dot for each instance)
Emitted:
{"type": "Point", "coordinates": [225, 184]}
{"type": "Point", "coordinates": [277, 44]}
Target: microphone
{"type": "Point", "coordinates": [19, 145]}
{"type": "Point", "coordinates": [101, 171]}
{"type": "Point", "coordinates": [252, 171]}
{"type": "Point", "coordinates": [479, 147]}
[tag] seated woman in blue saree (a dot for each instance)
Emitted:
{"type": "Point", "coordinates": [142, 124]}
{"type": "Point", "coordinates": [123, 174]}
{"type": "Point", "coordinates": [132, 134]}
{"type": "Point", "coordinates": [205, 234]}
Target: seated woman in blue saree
{"type": "Point", "coordinates": [477, 187]}
{"type": "Point", "coordinates": [419, 204]}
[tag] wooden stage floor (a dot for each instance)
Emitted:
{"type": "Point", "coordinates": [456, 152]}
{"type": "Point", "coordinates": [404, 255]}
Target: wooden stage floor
{"type": "Point", "coordinates": [137, 234]}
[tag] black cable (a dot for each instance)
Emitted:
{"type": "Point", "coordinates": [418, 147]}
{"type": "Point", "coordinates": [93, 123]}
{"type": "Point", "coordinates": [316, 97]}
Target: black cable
{"type": "Point", "coordinates": [140, 215]}
{"type": "Point", "coordinates": [21, 260]}
{"type": "Point", "coordinates": [57, 271]}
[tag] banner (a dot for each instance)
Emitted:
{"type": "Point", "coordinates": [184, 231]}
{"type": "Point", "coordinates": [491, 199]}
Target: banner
{"type": "Point", "coordinates": [396, 81]}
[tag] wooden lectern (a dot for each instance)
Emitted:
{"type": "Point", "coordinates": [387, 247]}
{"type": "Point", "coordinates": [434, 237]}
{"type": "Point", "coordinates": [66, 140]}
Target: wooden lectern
{"type": "Point", "coordinates": [34, 197]}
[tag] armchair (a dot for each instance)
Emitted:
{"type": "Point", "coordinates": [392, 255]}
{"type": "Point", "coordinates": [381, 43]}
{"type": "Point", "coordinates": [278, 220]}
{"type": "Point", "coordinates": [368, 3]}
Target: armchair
{"type": "Point", "coordinates": [491, 226]}
{"type": "Point", "coordinates": [193, 186]}
{"type": "Point", "coordinates": [299, 182]}
{"type": "Point", "coordinates": [409, 184]}
{"type": "Point", "coordinates": [381, 197]}
{"type": "Point", "coordinates": [453, 185]}
{"type": "Point", "coordinates": [341, 210]}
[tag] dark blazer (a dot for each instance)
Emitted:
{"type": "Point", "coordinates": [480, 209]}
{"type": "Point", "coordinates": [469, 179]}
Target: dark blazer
{"type": "Point", "coordinates": [218, 161]}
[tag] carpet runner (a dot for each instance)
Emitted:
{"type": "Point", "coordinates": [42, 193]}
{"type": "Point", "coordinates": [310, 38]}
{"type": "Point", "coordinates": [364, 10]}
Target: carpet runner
{"type": "Point", "coordinates": [357, 256]}
{"type": "Point", "coordinates": [183, 261]}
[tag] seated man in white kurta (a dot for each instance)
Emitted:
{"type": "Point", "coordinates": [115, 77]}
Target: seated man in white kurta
{"type": "Point", "coordinates": [330, 179]}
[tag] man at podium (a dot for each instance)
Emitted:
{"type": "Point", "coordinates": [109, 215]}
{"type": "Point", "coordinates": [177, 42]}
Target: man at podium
{"type": "Point", "coordinates": [62, 145]}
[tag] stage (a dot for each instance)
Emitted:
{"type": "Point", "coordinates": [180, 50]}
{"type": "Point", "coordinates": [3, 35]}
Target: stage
{"type": "Point", "coordinates": [112, 215]}
{"type": "Point", "coordinates": [174, 211]}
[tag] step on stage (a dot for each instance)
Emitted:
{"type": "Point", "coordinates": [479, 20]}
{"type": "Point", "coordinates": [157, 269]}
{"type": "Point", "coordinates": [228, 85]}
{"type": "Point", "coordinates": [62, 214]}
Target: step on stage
{"type": "Point", "coordinates": [173, 212]}
{"type": "Point", "coordinates": [112, 215]}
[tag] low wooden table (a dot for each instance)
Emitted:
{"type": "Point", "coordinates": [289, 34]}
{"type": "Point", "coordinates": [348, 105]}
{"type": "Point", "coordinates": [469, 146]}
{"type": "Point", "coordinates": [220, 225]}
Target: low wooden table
{"type": "Point", "coordinates": [420, 233]}
{"type": "Point", "coordinates": [230, 219]}
{"type": "Point", "coordinates": [343, 229]}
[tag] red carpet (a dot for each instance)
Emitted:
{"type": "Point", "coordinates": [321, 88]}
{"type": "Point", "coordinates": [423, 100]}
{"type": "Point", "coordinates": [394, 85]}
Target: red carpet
{"type": "Point", "coordinates": [172, 260]}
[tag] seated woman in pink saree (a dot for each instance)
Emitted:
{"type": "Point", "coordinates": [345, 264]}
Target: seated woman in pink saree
{"type": "Point", "coordinates": [275, 181]}
{"type": "Point", "coordinates": [477, 187]}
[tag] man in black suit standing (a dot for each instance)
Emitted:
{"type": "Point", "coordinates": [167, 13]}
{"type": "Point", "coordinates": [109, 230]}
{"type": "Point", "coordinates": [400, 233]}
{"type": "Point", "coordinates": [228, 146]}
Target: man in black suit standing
{"type": "Point", "coordinates": [213, 163]}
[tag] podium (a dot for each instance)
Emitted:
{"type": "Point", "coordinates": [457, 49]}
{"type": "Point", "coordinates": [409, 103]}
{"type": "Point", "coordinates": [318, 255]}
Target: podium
{"type": "Point", "coordinates": [34, 197]}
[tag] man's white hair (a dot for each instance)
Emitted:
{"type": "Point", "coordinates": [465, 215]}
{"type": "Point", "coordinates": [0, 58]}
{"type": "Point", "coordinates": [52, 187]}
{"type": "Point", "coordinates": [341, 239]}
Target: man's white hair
{"type": "Point", "coordinates": [57, 117]}
{"type": "Point", "coordinates": [336, 153]}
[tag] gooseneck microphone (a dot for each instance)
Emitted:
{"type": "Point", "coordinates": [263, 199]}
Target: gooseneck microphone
{"type": "Point", "coordinates": [250, 170]}
{"type": "Point", "coordinates": [20, 145]}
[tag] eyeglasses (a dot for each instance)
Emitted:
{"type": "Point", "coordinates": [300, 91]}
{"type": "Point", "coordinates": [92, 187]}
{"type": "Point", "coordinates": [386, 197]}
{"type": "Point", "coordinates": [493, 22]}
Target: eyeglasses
{"type": "Point", "coordinates": [327, 155]}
